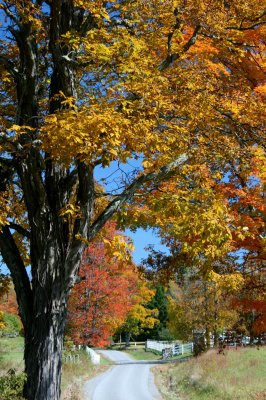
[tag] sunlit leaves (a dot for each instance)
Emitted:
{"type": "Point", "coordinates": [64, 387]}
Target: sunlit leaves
{"type": "Point", "coordinates": [229, 283]}
{"type": "Point", "coordinates": [99, 303]}
{"type": "Point", "coordinates": [208, 102]}
{"type": "Point", "coordinates": [200, 304]}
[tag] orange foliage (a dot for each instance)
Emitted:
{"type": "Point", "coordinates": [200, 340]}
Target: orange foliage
{"type": "Point", "coordinates": [8, 302]}
{"type": "Point", "coordinates": [258, 307]}
{"type": "Point", "coordinates": [100, 302]}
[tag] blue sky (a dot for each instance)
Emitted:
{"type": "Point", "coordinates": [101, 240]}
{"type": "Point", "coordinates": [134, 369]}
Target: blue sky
{"type": "Point", "coordinates": [142, 239]}
{"type": "Point", "coordinates": [113, 178]}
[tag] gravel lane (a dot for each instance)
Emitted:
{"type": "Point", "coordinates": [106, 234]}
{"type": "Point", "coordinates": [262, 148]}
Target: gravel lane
{"type": "Point", "coordinates": [122, 382]}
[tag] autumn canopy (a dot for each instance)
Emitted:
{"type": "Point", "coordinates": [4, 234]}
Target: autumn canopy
{"type": "Point", "coordinates": [177, 86]}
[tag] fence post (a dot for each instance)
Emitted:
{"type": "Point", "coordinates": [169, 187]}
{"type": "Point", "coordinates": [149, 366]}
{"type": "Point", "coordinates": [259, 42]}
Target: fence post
{"type": "Point", "coordinates": [182, 349]}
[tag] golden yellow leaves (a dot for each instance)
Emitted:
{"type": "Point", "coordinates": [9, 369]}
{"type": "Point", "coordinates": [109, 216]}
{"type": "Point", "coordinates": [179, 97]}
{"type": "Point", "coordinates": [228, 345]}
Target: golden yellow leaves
{"type": "Point", "coordinates": [2, 322]}
{"type": "Point", "coordinates": [28, 13]}
{"type": "Point", "coordinates": [230, 283]}
{"type": "Point", "coordinates": [4, 208]}
{"type": "Point", "coordinates": [120, 248]}
{"type": "Point", "coordinates": [203, 226]}
{"type": "Point", "coordinates": [169, 106]}
{"type": "Point", "coordinates": [188, 212]}
{"type": "Point", "coordinates": [107, 132]}
{"type": "Point", "coordinates": [145, 317]}
{"type": "Point", "coordinates": [261, 90]}
{"type": "Point", "coordinates": [71, 211]}
{"type": "Point", "coordinates": [21, 129]}
{"type": "Point", "coordinates": [96, 8]}
{"type": "Point", "coordinates": [260, 163]}
{"type": "Point", "coordinates": [84, 135]}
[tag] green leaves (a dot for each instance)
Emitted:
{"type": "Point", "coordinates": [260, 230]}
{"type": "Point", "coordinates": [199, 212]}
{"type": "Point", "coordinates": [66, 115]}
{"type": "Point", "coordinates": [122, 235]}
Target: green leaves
{"type": "Point", "coordinates": [11, 386]}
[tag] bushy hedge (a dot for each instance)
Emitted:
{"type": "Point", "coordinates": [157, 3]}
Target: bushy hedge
{"type": "Point", "coordinates": [11, 386]}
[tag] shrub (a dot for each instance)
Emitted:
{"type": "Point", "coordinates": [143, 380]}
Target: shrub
{"type": "Point", "coordinates": [12, 323]}
{"type": "Point", "coordinates": [11, 386]}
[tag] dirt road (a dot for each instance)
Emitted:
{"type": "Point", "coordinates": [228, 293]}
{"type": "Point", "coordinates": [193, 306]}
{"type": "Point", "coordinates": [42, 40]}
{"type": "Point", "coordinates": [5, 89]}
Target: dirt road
{"type": "Point", "coordinates": [122, 382]}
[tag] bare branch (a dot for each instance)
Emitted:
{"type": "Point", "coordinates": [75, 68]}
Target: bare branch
{"type": "Point", "coordinates": [85, 197]}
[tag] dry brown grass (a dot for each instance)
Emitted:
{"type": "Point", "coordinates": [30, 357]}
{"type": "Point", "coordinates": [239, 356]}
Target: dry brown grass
{"type": "Point", "coordinates": [74, 377]}
{"type": "Point", "coordinates": [239, 375]}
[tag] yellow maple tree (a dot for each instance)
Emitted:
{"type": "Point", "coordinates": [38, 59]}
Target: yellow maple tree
{"type": "Point", "coordinates": [172, 84]}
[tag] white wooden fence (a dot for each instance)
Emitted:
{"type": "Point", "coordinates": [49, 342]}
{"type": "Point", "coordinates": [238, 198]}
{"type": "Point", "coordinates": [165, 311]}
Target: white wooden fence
{"type": "Point", "coordinates": [176, 347]}
{"type": "Point", "coordinates": [95, 357]}
{"type": "Point", "coordinates": [72, 358]}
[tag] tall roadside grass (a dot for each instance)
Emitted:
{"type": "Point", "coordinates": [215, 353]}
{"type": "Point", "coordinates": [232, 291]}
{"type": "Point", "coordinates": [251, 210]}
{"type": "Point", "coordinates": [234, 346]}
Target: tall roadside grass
{"type": "Point", "coordinates": [237, 375]}
{"type": "Point", "coordinates": [74, 375]}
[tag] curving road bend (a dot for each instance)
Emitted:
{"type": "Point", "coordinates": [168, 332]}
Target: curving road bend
{"type": "Point", "coordinates": [122, 382]}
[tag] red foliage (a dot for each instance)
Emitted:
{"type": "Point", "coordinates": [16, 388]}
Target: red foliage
{"type": "Point", "coordinates": [99, 303]}
{"type": "Point", "coordinates": [8, 302]}
{"type": "Point", "coordinates": [258, 307]}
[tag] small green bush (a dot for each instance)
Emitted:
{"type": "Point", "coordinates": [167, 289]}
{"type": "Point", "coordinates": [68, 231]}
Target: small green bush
{"type": "Point", "coordinates": [12, 322]}
{"type": "Point", "coordinates": [11, 386]}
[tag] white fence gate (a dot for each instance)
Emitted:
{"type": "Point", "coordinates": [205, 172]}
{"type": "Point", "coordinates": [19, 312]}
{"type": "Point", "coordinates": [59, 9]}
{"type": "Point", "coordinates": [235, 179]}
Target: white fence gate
{"type": "Point", "coordinates": [176, 347]}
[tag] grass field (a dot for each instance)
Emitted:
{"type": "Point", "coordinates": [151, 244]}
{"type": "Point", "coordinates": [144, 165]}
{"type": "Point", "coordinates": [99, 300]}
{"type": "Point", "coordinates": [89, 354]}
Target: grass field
{"type": "Point", "coordinates": [138, 353]}
{"type": "Point", "coordinates": [11, 354]}
{"type": "Point", "coordinates": [141, 354]}
{"type": "Point", "coordinates": [238, 375]}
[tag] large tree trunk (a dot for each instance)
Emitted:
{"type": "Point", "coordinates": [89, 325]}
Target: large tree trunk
{"type": "Point", "coordinates": [52, 278]}
{"type": "Point", "coordinates": [43, 351]}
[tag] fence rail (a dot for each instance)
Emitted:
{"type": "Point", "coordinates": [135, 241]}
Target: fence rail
{"type": "Point", "coordinates": [176, 348]}
{"type": "Point", "coordinates": [72, 358]}
{"type": "Point", "coordinates": [128, 343]}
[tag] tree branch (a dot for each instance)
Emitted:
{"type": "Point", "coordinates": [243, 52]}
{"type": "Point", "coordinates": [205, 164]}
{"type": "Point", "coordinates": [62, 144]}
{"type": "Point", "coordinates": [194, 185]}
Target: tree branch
{"type": "Point", "coordinates": [14, 262]}
{"type": "Point", "coordinates": [88, 24]}
{"type": "Point", "coordinates": [257, 23]}
{"type": "Point", "coordinates": [82, 237]}
{"type": "Point", "coordinates": [165, 172]}
{"type": "Point", "coordinates": [10, 66]}
{"type": "Point", "coordinates": [85, 197]}
{"type": "Point", "coordinates": [85, 201]}
{"type": "Point", "coordinates": [19, 229]}
{"type": "Point", "coordinates": [175, 56]}
{"type": "Point", "coordinates": [9, 13]}
{"type": "Point", "coordinates": [247, 28]}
